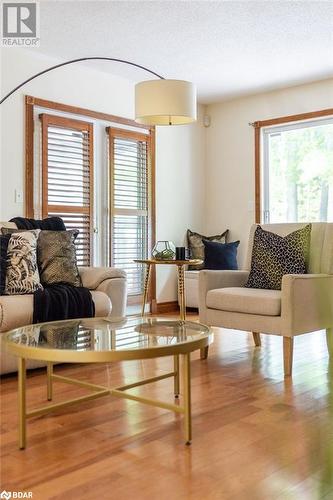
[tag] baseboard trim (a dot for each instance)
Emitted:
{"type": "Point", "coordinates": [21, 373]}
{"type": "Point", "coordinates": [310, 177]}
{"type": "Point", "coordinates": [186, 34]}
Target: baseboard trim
{"type": "Point", "coordinates": [164, 307]}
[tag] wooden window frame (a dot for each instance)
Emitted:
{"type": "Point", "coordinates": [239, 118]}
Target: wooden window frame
{"type": "Point", "coordinates": [114, 132]}
{"type": "Point", "coordinates": [74, 124]}
{"type": "Point", "coordinates": [258, 125]}
{"type": "Point", "coordinates": [30, 103]}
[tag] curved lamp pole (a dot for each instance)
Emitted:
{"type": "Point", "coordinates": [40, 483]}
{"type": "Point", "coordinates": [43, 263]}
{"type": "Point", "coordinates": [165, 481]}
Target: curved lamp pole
{"type": "Point", "coordinates": [158, 102]}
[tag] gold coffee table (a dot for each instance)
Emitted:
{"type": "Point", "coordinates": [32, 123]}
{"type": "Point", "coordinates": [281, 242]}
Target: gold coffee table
{"type": "Point", "coordinates": [98, 340]}
{"type": "Point", "coordinates": [181, 280]}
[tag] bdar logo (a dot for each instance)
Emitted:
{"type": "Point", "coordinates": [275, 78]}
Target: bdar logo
{"type": "Point", "coordinates": [5, 494]}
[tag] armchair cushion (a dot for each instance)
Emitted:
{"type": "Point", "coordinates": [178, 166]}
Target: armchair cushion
{"type": "Point", "coordinates": [245, 300]}
{"type": "Point", "coordinates": [92, 277]}
{"type": "Point", "coordinates": [274, 256]}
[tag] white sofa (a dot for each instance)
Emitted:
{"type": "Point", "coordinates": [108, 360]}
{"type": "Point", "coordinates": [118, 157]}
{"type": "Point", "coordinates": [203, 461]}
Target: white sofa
{"type": "Point", "coordinates": [108, 287]}
{"type": "Point", "coordinates": [304, 304]}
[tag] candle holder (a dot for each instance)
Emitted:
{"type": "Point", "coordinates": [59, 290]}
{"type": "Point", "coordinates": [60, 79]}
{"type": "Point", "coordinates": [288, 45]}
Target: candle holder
{"type": "Point", "coordinates": [164, 250]}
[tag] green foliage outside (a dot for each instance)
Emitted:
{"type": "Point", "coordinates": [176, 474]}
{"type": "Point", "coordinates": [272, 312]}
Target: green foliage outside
{"type": "Point", "coordinates": [301, 174]}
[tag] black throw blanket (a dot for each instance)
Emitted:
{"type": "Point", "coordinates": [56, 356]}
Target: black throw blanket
{"type": "Point", "coordinates": [48, 224]}
{"type": "Point", "coordinates": [58, 301]}
{"type": "Point", "coordinates": [61, 301]}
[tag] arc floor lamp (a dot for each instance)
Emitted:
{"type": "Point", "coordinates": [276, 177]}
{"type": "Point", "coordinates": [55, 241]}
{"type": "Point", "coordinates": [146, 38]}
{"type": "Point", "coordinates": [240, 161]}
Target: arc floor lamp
{"type": "Point", "coordinates": [157, 102]}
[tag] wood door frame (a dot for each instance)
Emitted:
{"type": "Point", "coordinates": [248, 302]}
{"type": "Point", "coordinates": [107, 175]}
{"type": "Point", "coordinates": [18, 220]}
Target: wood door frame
{"type": "Point", "coordinates": [150, 139]}
{"type": "Point", "coordinates": [30, 103]}
{"type": "Point", "coordinates": [258, 125]}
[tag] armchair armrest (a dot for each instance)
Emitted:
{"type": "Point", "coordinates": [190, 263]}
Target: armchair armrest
{"type": "Point", "coordinates": [306, 303]}
{"type": "Point", "coordinates": [210, 280]}
{"type": "Point", "coordinates": [92, 277]}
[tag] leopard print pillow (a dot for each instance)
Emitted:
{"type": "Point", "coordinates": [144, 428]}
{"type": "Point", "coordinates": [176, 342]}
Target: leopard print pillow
{"type": "Point", "coordinates": [22, 276]}
{"type": "Point", "coordinates": [57, 257]}
{"type": "Point", "coordinates": [274, 255]}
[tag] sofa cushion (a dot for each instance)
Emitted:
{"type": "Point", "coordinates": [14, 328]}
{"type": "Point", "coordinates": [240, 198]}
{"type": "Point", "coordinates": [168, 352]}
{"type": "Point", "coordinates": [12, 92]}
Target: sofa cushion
{"type": "Point", "coordinates": [57, 257]}
{"type": "Point", "coordinates": [221, 256]}
{"type": "Point", "coordinates": [197, 248]}
{"type": "Point", "coordinates": [22, 274]}
{"type": "Point", "coordinates": [4, 240]}
{"type": "Point", "coordinates": [245, 300]}
{"type": "Point", "coordinates": [17, 310]}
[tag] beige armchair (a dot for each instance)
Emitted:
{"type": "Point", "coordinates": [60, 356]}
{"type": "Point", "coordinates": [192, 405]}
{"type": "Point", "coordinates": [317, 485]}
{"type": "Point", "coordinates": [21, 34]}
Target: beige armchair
{"type": "Point", "coordinates": [304, 304]}
{"type": "Point", "coordinates": [108, 286]}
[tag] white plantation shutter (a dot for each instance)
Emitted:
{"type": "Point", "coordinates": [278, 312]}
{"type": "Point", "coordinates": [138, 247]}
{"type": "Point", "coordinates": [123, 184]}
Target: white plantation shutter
{"type": "Point", "coordinates": [67, 177]}
{"type": "Point", "coordinates": [131, 221]}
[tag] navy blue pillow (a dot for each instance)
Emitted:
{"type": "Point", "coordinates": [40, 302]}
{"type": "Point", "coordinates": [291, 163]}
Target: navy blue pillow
{"type": "Point", "coordinates": [221, 255]}
{"type": "Point", "coordinates": [4, 240]}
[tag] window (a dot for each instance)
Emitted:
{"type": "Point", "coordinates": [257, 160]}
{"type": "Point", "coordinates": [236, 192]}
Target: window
{"type": "Point", "coordinates": [100, 183]}
{"type": "Point", "coordinates": [294, 168]}
{"type": "Point", "coordinates": [67, 177]}
{"type": "Point", "coordinates": [130, 203]}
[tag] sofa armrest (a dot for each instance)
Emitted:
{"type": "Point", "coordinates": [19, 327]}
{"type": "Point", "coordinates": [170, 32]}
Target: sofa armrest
{"type": "Point", "coordinates": [306, 303]}
{"type": "Point", "coordinates": [211, 280]}
{"type": "Point", "coordinates": [92, 277]}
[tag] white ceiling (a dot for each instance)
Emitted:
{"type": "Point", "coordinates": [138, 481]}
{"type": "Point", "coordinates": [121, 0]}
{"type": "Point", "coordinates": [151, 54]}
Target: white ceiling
{"type": "Point", "coordinates": [227, 48]}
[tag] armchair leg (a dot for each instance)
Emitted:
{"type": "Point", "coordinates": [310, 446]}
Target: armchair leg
{"type": "Point", "coordinates": [288, 348]}
{"type": "Point", "coordinates": [257, 339]}
{"type": "Point", "coordinates": [329, 341]}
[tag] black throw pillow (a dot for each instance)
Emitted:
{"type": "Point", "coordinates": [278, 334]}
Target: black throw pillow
{"type": "Point", "coordinates": [47, 224]}
{"type": "Point", "coordinates": [274, 255]}
{"type": "Point", "coordinates": [4, 240]}
{"type": "Point", "coordinates": [221, 256]}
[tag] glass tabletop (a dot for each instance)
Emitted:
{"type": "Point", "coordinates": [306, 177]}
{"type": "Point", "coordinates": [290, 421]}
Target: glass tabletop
{"type": "Point", "coordinates": [102, 335]}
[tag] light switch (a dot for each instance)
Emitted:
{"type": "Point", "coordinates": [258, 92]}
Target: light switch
{"type": "Point", "coordinates": [18, 196]}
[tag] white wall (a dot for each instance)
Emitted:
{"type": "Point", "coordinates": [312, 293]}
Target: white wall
{"type": "Point", "coordinates": [230, 152]}
{"type": "Point", "coordinates": [180, 177]}
{"type": "Point", "coordinates": [179, 154]}
{"type": "Point", "coordinates": [204, 177]}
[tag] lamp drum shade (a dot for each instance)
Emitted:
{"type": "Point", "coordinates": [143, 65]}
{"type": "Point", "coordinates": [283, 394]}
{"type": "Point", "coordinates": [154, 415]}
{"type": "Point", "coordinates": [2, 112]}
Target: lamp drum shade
{"type": "Point", "coordinates": [165, 102]}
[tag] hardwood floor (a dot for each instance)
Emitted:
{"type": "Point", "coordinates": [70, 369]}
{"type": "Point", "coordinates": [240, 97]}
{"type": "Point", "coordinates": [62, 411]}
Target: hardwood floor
{"type": "Point", "coordinates": [256, 436]}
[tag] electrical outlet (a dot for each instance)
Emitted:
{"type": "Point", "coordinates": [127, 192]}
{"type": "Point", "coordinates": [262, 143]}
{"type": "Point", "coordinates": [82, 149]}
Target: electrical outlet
{"type": "Point", "coordinates": [18, 196]}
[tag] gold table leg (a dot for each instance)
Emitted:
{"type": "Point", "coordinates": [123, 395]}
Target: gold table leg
{"type": "Point", "coordinates": [187, 398]}
{"type": "Point", "coordinates": [176, 383]}
{"type": "Point", "coordinates": [49, 381]}
{"type": "Point", "coordinates": [22, 402]}
{"type": "Point", "coordinates": [99, 391]}
{"type": "Point", "coordinates": [181, 291]}
{"type": "Point", "coordinates": [145, 291]}
{"type": "Point", "coordinates": [182, 310]}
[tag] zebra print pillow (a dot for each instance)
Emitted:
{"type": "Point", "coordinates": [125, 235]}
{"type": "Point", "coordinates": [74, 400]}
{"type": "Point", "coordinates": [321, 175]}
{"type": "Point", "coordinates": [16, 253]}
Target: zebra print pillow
{"type": "Point", "coordinates": [22, 276]}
